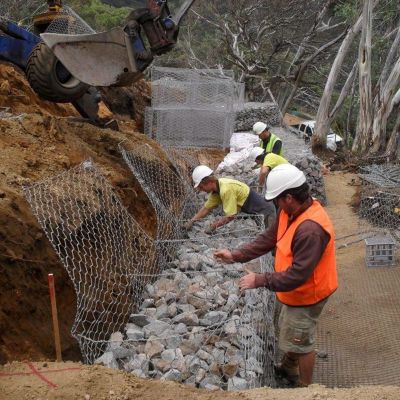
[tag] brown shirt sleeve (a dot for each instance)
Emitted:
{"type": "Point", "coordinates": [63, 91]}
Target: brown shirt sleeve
{"type": "Point", "coordinates": [308, 245]}
{"type": "Point", "coordinates": [262, 244]}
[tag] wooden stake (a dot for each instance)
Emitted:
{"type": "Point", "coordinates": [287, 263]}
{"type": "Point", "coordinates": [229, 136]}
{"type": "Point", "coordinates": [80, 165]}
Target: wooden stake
{"type": "Point", "coordinates": [55, 317]}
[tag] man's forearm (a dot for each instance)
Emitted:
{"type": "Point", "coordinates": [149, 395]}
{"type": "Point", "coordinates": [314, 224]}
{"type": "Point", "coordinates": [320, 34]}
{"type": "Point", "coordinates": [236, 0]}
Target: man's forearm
{"type": "Point", "coordinates": [262, 244]}
{"type": "Point", "coordinates": [223, 221]}
{"type": "Point", "coordinates": [203, 212]}
{"type": "Point", "coordinates": [263, 175]}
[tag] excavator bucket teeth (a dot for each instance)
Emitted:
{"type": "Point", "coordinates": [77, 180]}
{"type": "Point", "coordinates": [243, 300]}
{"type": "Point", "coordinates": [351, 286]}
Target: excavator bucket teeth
{"type": "Point", "coordinates": [100, 59]}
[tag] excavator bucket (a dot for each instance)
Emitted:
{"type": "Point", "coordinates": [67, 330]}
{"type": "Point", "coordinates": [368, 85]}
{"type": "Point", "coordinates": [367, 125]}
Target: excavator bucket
{"type": "Point", "coordinates": [100, 59]}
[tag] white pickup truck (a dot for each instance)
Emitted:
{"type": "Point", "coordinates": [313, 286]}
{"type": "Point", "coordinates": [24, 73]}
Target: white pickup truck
{"type": "Point", "coordinates": [306, 129]}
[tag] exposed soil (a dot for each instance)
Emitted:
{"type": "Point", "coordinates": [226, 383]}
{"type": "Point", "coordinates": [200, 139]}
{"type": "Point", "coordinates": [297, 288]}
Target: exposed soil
{"type": "Point", "coordinates": [77, 381]}
{"type": "Point", "coordinates": [38, 140]}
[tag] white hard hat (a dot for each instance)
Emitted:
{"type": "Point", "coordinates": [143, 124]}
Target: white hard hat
{"type": "Point", "coordinates": [199, 173]}
{"type": "Point", "coordinates": [255, 152]}
{"type": "Point", "coordinates": [259, 128]}
{"type": "Point", "coordinates": [281, 178]}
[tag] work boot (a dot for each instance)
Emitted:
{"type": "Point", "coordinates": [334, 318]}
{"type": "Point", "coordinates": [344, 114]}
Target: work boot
{"type": "Point", "coordinates": [288, 368]}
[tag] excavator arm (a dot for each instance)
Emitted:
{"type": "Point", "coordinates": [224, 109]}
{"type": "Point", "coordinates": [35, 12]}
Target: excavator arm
{"type": "Point", "coordinates": [119, 57]}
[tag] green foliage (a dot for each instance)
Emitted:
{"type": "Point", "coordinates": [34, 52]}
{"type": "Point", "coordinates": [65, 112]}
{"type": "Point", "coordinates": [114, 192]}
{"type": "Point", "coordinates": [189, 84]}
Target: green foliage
{"type": "Point", "coordinates": [348, 10]}
{"type": "Point", "coordinates": [98, 15]}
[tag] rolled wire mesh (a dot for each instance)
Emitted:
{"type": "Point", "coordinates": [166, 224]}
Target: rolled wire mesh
{"type": "Point", "coordinates": [100, 245]}
{"type": "Point", "coordinates": [380, 199]}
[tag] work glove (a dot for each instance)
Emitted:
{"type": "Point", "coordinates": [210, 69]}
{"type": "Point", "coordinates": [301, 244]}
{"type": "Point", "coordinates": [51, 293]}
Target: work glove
{"type": "Point", "coordinates": [188, 225]}
{"type": "Point", "coordinates": [210, 229]}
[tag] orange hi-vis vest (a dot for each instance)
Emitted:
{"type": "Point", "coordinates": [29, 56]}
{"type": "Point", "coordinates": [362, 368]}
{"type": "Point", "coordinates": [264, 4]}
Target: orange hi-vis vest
{"type": "Point", "coordinates": [323, 281]}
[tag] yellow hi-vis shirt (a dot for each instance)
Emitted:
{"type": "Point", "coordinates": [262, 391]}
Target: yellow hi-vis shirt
{"type": "Point", "coordinates": [232, 195]}
{"type": "Point", "coordinates": [272, 160]}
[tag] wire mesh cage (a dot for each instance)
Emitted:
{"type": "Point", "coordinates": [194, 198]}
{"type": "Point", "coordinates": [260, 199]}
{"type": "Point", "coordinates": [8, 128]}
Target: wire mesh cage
{"type": "Point", "coordinates": [380, 199]}
{"type": "Point", "coordinates": [193, 108]}
{"type": "Point", "coordinates": [183, 320]}
{"type": "Point", "coordinates": [101, 246]}
{"type": "Point", "coordinates": [380, 251]}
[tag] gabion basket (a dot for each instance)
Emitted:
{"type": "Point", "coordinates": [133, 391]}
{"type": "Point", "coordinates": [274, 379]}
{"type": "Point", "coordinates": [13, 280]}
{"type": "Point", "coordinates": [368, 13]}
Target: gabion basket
{"type": "Point", "coordinates": [380, 251]}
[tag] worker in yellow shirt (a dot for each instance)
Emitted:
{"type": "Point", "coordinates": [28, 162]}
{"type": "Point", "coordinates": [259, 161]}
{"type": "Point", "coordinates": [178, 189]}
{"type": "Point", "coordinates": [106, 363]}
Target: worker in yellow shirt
{"type": "Point", "coordinates": [267, 161]}
{"type": "Point", "coordinates": [233, 195]}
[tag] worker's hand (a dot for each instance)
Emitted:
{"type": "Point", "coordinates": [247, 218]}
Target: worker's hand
{"type": "Point", "coordinates": [248, 281]}
{"type": "Point", "coordinates": [224, 255]}
{"type": "Point", "coordinates": [188, 225]}
{"type": "Point", "coordinates": [210, 229]}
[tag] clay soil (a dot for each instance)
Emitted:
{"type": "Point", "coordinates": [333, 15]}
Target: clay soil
{"type": "Point", "coordinates": [38, 140]}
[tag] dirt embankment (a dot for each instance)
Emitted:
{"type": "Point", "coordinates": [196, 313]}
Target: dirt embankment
{"type": "Point", "coordinates": [39, 139]}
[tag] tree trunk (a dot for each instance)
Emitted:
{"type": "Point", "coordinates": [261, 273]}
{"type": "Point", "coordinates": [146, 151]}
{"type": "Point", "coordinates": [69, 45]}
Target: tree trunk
{"type": "Point", "coordinates": [290, 93]}
{"type": "Point", "coordinates": [321, 124]}
{"type": "Point", "coordinates": [393, 145]}
{"type": "Point", "coordinates": [364, 128]}
{"type": "Point", "coordinates": [302, 70]}
{"type": "Point", "coordinates": [384, 100]}
{"type": "Point", "coordinates": [348, 122]}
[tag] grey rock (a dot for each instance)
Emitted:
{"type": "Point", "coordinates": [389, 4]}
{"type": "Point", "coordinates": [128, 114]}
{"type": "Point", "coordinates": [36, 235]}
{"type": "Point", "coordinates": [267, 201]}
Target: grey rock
{"type": "Point", "coordinates": [138, 373]}
{"type": "Point", "coordinates": [188, 318]}
{"type": "Point", "coordinates": [134, 332]}
{"type": "Point", "coordinates": [196, 364]}
{"type": "Point", "coordinates": [172, 375]}
{"type": "Point", "coordinates": [236, 383]}
{"type": "Point", "coordinates": [153, 347]}
{"type": "Point", "coordinates": [173, 342]}
{"type": "Point", "coordinates": [185, 308]}
{"type": "Point", "coordinates": [122, 352]}
{"type": "Point", "coordinates": [181, 329]}
{"type": "Point", "coordinates": [203, 355]}
{"type": "Point", "coordinates": [209, 379]}
{"type": "Point", "coordinates": [108, 360]}
{"type": "Point", "coordinates": [116, 340]}
{"type": "Point", "coordinates": [200, 374]}
{"type": "Point", "coordinates": [168, 355]}
{"type": "Point", "coordinates": [156, 328]}
{"type": "Point", "coordinates": [140, 320]}
{"type": "Point", "coordinates": [162, 311]}
{"type": "Point", "coordinates": [146, 304]}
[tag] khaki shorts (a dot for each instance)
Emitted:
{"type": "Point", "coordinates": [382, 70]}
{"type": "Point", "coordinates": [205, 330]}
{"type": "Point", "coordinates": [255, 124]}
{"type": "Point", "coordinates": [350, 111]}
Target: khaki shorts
{"type": "Point", "coordinates": [297, 327]}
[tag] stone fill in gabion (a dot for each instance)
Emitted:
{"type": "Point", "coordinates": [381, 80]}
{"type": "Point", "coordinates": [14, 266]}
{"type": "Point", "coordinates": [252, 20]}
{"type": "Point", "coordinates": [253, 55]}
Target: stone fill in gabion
{"type": "Point", "coordinates": [247, 171]}
{"type": "Point", "coordinates": [194, 326]}
{"type": "Point", "coordinates": [252, 112]}
{"type": "Point", "coordinates": [312, 168]}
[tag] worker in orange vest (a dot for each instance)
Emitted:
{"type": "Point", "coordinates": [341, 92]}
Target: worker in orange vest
{"type": "Point", "coordinates": [305, 267]}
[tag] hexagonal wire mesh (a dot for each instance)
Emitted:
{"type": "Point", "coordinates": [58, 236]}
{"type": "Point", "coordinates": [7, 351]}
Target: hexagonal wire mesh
{"type": "Point", "coordinates": [21, 11]}
{"type": "Point", "coordinates": [69, 22]}
{"type": "Point", "coordinates": [193, 108]}
{"type": "Point", "coordinates": [101, 246]}
{"type": "Point", "coordinates": [112, 262]}
{"type": "Point", "coordinates": [170, 196]}
{"type": "Point", "coordinates": [380, 199]}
